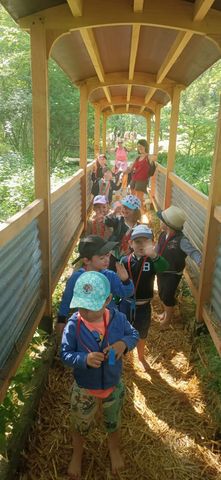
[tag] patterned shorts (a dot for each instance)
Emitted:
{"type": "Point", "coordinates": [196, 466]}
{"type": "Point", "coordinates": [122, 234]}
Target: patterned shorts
{"type": "Point", "coordinates": [84, 408]}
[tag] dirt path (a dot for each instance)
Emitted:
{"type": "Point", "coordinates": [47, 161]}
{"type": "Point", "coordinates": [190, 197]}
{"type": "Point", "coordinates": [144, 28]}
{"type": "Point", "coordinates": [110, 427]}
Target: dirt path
{"type": "Point", "coordinates": [167, 433]}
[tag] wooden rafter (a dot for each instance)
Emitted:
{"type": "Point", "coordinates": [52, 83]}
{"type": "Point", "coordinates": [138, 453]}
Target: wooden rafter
{"type": "Point", "coordinates": [178, 46]}
{"type": "Point", "coordinates": [201, 8]}
{"type": "Point", "coordinates": [138, 6]}
{"type": "Point", "coordinates": [148, 97]}
{"type": "Point", "coordinates": [133, 49]}
{"type": "Point", "coordinates": [91, 45]}
{"type": "Point", "coordinates": [122, 100]}
{"type": "Point", "coordinates": [76, 7]}
{"type": "Point", "coordinates": [129, 88]}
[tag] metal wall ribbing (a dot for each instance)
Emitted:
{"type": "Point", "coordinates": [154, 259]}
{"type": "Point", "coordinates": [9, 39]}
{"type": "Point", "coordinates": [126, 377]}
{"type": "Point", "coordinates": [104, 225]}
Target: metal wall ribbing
{"type": "Point", "coordinates": [216, 286]}
{"type": "Point", "coordinates": [65, 219]}
{"type": "Point", "coordinates": [20, 286]}
{"type": "Point", "coordinates": [160, 188]}
{"type": "Point", "coordinates": [194, 227]}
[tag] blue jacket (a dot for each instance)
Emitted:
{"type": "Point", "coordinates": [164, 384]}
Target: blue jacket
{"type": "Point", "coordinates": [75, 345]}
{"type": "Point", "coordinates": [118, 288]}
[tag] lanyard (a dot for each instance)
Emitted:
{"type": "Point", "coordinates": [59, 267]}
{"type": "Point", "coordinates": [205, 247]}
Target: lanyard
{"type": "Point", "coordinates": [140, 272]}
{"type": "Point", "coordinates": [95, 229]}
{"type": "Point", "coordinates": [163, 246]}
{"type": "Point", "coordinates": [79, 320]}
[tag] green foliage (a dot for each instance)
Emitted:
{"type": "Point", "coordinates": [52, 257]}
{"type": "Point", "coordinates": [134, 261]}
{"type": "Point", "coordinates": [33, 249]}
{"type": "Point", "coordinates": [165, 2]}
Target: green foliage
{"type": "Point", "coordinates": [19, 388]}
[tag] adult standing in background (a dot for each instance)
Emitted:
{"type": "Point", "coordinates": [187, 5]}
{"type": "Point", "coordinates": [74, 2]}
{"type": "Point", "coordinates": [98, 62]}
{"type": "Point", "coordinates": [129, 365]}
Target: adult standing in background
{"type": "Point", "coordinates": [142, 169]}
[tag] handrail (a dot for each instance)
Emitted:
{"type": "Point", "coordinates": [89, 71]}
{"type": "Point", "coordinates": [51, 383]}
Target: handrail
{"type": "Point", "coordinates": [90, 165]}
{"type": "Point", "coordinates": [161, 168]}
{"type": "Point", "coordinates": [15, 224]}
{"type": "Point", "coordinates": [199, 197]}
{"type": "Point", "coordinates": [67, 185]}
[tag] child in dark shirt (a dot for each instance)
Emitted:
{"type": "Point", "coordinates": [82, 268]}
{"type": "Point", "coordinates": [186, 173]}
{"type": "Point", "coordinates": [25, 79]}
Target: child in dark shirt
{"type": "Point", "coordinates": [174, 247]}
{"type": "Point", "coordinates": [105, 186]}
{"type": "Point", "coordinates": [142, 266]}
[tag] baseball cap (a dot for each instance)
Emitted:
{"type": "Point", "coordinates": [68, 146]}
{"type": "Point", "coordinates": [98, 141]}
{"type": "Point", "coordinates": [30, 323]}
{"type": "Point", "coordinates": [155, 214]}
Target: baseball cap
{"type": "Point", "coordinates": [101, 199]}
{"type": "Point", "coordinates": [141, 231]}
{"type": "Point", "coordinates": [132, 202]}
{"type": "Point", "coordinates": [93, 245]}
{"type": "Point", "coordinates": [90, 291]}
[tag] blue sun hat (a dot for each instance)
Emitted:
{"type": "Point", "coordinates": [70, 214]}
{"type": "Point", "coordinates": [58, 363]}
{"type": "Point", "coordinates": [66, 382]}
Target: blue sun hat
{"type": "Point", "coordinates": [91, 291]}
{"type": "Point", "coordinates": [141, 231]}
{"type": "Point", "coordinates": [132, 202]}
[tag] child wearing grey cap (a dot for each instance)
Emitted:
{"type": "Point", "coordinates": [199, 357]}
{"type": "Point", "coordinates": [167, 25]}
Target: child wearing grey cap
{"type": "Point", "coordinates": [142, 266]}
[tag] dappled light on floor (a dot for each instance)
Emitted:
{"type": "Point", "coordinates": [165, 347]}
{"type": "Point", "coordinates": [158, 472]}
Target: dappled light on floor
{"type": "Point", "coordinates": [167, 432]}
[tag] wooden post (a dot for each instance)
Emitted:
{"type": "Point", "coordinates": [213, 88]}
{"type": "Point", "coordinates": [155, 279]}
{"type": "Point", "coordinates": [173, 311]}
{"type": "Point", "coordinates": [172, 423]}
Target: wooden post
{"type": "Point", "coordinates": [212, 228]}
{"type": "Point", "coordinates": [172, 143]}
{"type": "Point", "coordinates": [83, 150]}
{"type": "Point", "coordinates": [104, 134]}
{"type": "Point", "coordinates": [97, 130]}
{"type": "Point", "coordinates": [148, 119]}
{"type": "Point", "coordinates": [156, 145]}
{"type": "Point", "coordinates": [39, 64]}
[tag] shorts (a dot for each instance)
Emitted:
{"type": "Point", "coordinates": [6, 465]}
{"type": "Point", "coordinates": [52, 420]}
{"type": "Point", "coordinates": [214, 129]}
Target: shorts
{"type": "Point", "coordinates": [167, 286]}
{"type": "Point", "coordinates": [139, 185]}
{"type": "Point", "coordinates": [84, 408]}
{"type": "Point", "coordinates": [140, 319]}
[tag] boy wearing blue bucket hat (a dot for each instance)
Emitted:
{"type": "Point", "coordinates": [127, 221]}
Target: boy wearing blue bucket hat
{"type": "Point", "coordinates": [93, 343]}
{"type": "Point", "coordinates": [142, 266]}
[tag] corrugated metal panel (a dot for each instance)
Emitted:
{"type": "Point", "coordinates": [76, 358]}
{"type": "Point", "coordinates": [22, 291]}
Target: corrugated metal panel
{"type": "Point", "coordinates": [20, 289]}
{"type": "Point", "coordinates": [216, 286]}
{"type": "Point", "coordinates": [65, 219]}
{"type": "Point", "coordinates": [194, 226]}
{"type": "Point", "coordinates": [160, 188]}
{"type": "Point", "coordinates": [89, 186]}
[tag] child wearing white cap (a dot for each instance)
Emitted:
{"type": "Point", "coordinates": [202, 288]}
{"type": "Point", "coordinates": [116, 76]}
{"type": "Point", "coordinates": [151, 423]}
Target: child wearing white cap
{"type": "Point", "coordinates": [93, 344]}
{"type": "Point", "coordinates": [142, 266]}
{"type": "Point", "coordinates": [95, 224]}
{"type": "Point", "coordinates": [174, 247]}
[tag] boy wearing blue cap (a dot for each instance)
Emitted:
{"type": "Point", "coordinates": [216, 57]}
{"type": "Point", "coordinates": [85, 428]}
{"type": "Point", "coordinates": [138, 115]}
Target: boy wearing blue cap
{"type": "Point", "coordinates": [142, 266]}
{"type": "Point", "coordinates": [93, 343]}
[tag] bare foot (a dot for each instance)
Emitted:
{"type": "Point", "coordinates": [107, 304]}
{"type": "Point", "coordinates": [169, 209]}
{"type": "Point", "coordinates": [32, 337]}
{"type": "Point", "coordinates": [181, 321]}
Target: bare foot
{"type": "Point", "coordinates": [117, 462]}
{"type": "Point", "coordinates": [74, 468]}
{"type": "Point", "coordinates": [143, 365]}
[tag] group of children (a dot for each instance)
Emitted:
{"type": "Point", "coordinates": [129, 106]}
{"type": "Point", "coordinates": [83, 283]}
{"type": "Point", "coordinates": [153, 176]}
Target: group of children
{"type": "Point", "coordinates": [111, 294]}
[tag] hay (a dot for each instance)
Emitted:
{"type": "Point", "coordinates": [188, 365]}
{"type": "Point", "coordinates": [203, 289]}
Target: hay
{"type": "Point", "coordinates": [167, 432]}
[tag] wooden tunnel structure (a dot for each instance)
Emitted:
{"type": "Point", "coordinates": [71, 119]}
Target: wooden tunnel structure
{"type": "Point", "coordinates": [126, 56]}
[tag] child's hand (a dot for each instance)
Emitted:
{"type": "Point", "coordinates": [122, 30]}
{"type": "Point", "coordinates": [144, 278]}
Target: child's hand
{"type": "Point", "coordinates": [94, 359]}
{"type": "Point", "coordinates": [122, 272]}
{"type": "Point", "coordinates": [151, 252]}
{"type": "Point", "coordinates": [119, 348]}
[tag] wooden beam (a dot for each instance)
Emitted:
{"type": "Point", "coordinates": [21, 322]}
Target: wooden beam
{"type": "Point", "coordinates": [97, 116]}
{"type": "Point", "coordinates": [176, 15]}
{"type": "Point", "coordinates": [40, 112]}
{"type": "Point", "coordinates": [91, 45]}
{"type": "Point", "coordinates": [76, 7]}
{"type": "Point", "coordinates": [192, 192]}
{"type": "Point", "coordinates": [201, 8]}
{"type": "Point", "coordinates": [172, 143]}
{"type": "Point", "coordinates": [148, 119]}
{"type": "Point", "coordinates": [121, 78]}
{"type": "Point", "coordinates": [138, 6]}
{"type": "Point", "coordinates": [83, 150]}
{"type": "Point", "coordinates": [217, 213]}
{"type": "Point", "coordinates": [122, 100]}
{"type": "Point", "coordinates": [119, 110]}
{"type": "Point", "coordinates": [212, 228]}
{"type": "Point", "coordinates": [129, 89]}
{"type": "Point", "coordinates": [148, 97]}
{"type": "Point", "coordinates": [133, 49]}
{"type": "Point", "coordinates": [14, 225]}
{"type": "Point", "coordinates": [175, 51]}
{"type": "Point", "coordinates": [104, 134]}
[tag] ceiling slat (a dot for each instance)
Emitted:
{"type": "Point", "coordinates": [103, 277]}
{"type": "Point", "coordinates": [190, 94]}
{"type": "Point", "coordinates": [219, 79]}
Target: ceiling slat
{"type": "Point", "coordinates": [138, 6]}
{"type": "Point", "coordinates": [175, 51]}
{"type": "Point", "coordinates": [133, 49]}
{"type": "Point", "coordinates": [201, 8]}
{"type": "Point", "coordinates": [148, 97]}
{"type": "Point", "coordinates": [76, 7]}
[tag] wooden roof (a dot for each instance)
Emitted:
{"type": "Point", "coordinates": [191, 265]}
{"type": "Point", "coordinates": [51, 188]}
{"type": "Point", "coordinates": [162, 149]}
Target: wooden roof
{"type": "Point", "coordinates": [131, 53]}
